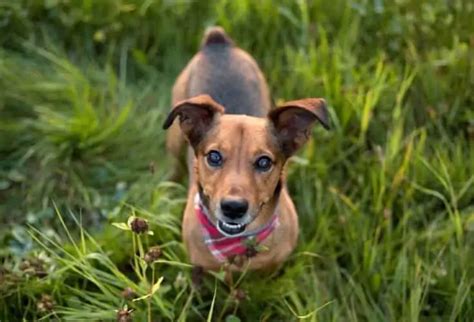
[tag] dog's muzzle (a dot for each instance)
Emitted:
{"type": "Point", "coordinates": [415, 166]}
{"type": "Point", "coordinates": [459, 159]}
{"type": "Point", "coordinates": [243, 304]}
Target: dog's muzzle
{"type": "Point", "coordinates": [233, 220]}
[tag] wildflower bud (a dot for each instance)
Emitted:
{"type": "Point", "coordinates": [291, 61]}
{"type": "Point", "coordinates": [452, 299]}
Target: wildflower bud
{"type": "Point", "coordinates": [180, 281]}
{"type": "Point", "coordinates": [153, 254]}
{"type": "Point", "coordinates": [124, 315]}
{"type": "Point", "coordinates": [139, 225]}
{"type": "Point", "coordinates": [128, 293]}
{"type": "Point", "coordinates": [46, 304]}
{"type": "Point", "coordinates": [342, 219]}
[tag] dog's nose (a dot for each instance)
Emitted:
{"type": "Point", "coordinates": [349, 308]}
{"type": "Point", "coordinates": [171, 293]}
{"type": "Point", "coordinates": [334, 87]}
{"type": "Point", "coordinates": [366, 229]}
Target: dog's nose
{"type": "Point", "coordinates": [234, 208]}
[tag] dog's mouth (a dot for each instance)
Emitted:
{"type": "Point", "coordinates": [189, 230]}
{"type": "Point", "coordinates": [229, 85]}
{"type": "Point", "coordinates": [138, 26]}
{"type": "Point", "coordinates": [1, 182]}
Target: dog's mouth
{"type": "Point", "coordinates": [230, 228]}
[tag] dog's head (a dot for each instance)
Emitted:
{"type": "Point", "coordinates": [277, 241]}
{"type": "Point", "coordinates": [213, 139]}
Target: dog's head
{"type": "Point", "coordinates": [240, 159]}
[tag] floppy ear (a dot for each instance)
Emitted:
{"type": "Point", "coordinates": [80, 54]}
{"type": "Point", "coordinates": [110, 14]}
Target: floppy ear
{"type": "Point", "coordinates": [294, 121]}
{"type": "Point", "coordinates": [196, 116]}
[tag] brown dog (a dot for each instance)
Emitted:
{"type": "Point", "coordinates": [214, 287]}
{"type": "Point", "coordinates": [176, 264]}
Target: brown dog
{"type": "Point", "coordinates": [238, 209]}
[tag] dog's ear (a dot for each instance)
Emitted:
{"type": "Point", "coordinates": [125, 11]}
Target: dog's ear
{"type": "Point", "coordinates": [195, 116]}
{"type": "Point", "coordinates": [293, 122]}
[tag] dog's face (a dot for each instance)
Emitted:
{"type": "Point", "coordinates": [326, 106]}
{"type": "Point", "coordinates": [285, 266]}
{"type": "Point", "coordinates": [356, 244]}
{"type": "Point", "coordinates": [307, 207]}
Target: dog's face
{"type": "Point", "coordinates": [240, 159]}
{"type": "Point", "coordinates": [238, 167]}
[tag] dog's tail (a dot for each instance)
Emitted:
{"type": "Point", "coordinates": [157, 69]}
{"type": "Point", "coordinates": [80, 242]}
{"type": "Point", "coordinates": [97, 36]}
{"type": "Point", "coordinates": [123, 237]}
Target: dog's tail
{"type": "Point", "coordinates": [216, 35]}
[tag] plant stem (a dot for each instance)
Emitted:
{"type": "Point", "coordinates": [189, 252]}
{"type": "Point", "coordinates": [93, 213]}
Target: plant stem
{"type": "Point", "coordinates": [151, 290]}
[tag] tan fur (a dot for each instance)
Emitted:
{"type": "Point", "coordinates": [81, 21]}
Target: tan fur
{"type": "Point", "coordinates": [242, 140]}
{"type": "Point", "coordinates": [241, 135]}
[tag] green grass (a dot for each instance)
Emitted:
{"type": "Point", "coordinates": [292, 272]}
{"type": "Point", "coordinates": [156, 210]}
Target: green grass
{"type": "Point", "coordinates": [385, 199]}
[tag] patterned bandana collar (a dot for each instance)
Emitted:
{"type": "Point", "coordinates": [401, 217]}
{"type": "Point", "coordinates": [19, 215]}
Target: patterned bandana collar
{"type": "Point", "coordinates": [224, 247]}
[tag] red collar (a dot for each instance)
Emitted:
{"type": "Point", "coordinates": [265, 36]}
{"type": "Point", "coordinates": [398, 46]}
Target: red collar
{"type": "Point", "coordinates": [223, 247]}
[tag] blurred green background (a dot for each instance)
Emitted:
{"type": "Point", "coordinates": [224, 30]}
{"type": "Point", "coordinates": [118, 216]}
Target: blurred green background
{"type": "Point", "coordinates": [386, 198]}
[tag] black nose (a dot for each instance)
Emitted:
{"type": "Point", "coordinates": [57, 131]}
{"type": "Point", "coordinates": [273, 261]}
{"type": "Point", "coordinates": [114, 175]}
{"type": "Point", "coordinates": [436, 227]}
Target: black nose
{"type": "Point", "coordinates": [234, 208]}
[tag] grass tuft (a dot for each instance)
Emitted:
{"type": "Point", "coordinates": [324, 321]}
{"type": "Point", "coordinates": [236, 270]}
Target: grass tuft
{"type": "Point", "coordinates": [385, 199]}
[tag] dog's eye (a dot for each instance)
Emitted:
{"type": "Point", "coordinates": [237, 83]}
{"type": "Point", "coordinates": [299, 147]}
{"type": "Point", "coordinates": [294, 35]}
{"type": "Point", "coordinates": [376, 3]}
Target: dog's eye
{"type": "Point", "coordinates": [214, 159]}
{"type": "Point", "coordinates": [263, 164]}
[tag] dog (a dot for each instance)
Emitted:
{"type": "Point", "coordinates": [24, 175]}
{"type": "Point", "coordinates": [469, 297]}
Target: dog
{"type": "Point", "coordinates": [239, 213]}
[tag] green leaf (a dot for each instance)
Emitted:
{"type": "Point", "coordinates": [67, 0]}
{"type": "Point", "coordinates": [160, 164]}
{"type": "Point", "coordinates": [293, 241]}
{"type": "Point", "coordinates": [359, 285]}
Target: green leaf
{"type": "Point", "coordinates": [156, 286]}
{"type": "Point", "coordinates": [154, 289]}
{"type": "Point", "coordinates": [232, 318]}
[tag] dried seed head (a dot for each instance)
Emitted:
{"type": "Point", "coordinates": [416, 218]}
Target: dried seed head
{"type": "Point", "coordinates": [251, 251]}
{"type": "Point", "coordinates": [25, 265]}
{"type": "Point", "coordinates": [197, 275]}
{"type": "Point", "coordinates": [124, 315]}
{"type": "Point", "coordinates": [3, 273]}
{"type": "Point", "coordinates": [253, 248]}
{"type": "Point", "coordinates": [139, 225]}
{"type": "Point", "coordinates": [153, 254]}
{"type": "Point", "coordinates": [33, 267]}
{"type": "Point", "coordinates": [239, 294]}
{"type": "Point", "coordinates": [128, 293]}
{"type": "Point", "coordinates": [8, 278]}
{"type": "Point", "coordinates": [238, 260]}
{"type": "Point", "coordinates": [470, 130]}
{"type": "Point", "coordinates": [45, 304]}
{"type": "Point", "coordinates": [151, 167]}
